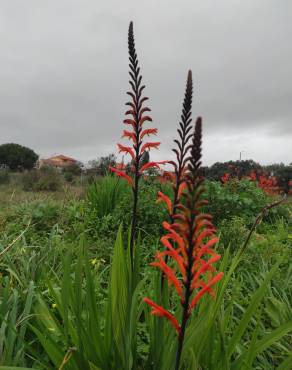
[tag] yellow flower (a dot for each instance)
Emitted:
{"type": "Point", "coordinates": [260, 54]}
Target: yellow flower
{"type": "Point", "coordinates": [54, 305]}
{"type": "Point", "coordinates": [94, 261]}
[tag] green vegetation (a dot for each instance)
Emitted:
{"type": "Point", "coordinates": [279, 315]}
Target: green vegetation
{"type": "Point", "coordinates": [55, 297]}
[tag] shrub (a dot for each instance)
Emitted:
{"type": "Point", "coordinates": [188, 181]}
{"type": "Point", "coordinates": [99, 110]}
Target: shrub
{"type": "Point", "coordinates": [71, 172]}
{"type": "Point", "coordinates": [45, 179]}
{"type": "Point", "coordinates": [235, 198]}
{"type": "Point", "coordinates": [150, 213]}
{"type": "Point", "coordinates": [233, 233]}
{"type": "Point", "coordinates": [4, 176]}
{"type": "Point", "coordinates": [103, 196]}
{"type": "Point", "coordinates": [42, 214]}
{"type": "Point", "coordinates": [29, 179]}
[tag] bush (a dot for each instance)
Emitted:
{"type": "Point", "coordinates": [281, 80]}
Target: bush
{"type": "Point", "coordinates": [150, 213]}
{"type": "Point", "coordinates": [71, 172]}
{"type": "Point", "coordinates": [235, 198]}
{"type": "Point", "coordinates": [233, 233]}
{"type": "Point", "coordinates": [104, 195]}
{"type": "Point", "coordinates": [45, 179]}
{"type": "Point", "coordinates": [29, 179]}
{"type": "Point", "coordinates": [4, 176]}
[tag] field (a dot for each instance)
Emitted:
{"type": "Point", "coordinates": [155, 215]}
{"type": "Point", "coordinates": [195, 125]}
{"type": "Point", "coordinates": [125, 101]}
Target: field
{"type": "Point", "coordinates": [64, 302]}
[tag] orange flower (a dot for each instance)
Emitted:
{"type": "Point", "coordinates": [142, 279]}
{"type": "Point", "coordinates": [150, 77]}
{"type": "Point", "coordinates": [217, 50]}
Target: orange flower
{"type": "Point", "coordinates": [149, 145]}
{"type": "Point", "coordinates": [162, 312]}
{"type": "Point", "coordinates": [126, 149]}
{"type": "Point", "coordinates": [164, 198]}
{"type": "Point", "coordinates": [151, 165]}
{"type": "Point", "coordinates": [148, 131]}
{"type": "Point", "coordinates": [122, 174]}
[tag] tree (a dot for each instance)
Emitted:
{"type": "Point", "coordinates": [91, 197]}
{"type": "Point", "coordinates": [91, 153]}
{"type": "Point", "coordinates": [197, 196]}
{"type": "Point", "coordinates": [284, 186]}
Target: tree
{"type": "Point", "coordinates": [234, 168]}
{"type": "Point", "coordinates": [284, 176]}
{"type": "Point", "coordinates": [17, 157]}
{"type": "Point", "coordinates": [101, 165]}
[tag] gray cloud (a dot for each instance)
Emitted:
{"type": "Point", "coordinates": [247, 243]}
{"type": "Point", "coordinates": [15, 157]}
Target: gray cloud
{"type": "Point", "coordinates": [63, 73]}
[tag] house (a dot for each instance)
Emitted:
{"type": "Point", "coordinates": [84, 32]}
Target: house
{"type": "Point", "coordinates": [59, 161]}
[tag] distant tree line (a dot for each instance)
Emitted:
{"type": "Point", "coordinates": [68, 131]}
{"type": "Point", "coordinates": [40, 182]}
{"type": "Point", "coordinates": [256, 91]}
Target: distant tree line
{"type": "Point", "coordinates": [16, 157]}
{"type": "Point", "coordinates": [240, 169]}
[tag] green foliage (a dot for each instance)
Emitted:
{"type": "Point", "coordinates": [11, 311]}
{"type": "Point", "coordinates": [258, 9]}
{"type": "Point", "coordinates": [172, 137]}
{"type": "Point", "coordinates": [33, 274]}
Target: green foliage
{"type": "Point", "coordinates": [14, 319]}
{"type": "Point", "coordinates": [86, 303]}
{"type": "Point", "coordinates": [233, 233]}
{"type": "Point", "coordinates": [17, 157]}
{"type": "Point", "coordinates": [103, 335]}
{"type": "Point", "coordinates": [100, 167]}
{"type": "Point", "coordinates": [239, 198]}
{"type": "Point", "coordinates": [47, 178]}
{"type": "Point", "coordinates": [71, 172]}
{"type": "Point", "coordinates": [103, 196]}
{"type": "Point", "coordinates": [4, 176]}
{"type": "Point", "coordinates": [150, 213]}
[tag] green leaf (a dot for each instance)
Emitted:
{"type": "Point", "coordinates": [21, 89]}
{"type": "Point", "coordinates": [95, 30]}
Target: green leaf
{"type": "Point", "coordinates": [274, 336]}
{"type": "Point", "coordinates": [15, 368]}
{"type": "Point", "coordinates": [250, 311]}
{"type": "Point", "coordinates": [286, 364]}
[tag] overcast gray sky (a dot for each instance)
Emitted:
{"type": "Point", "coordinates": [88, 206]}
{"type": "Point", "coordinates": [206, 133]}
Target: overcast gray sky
{"type": "Point", "coordinates": [64, 74]}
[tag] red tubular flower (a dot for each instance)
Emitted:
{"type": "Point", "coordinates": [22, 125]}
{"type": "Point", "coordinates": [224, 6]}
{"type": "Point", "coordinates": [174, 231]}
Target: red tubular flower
{"type": "Point", "coordinates": [149, 145]}
{"type": "Point", "coordinates": [148, 165]}
{"type": "Point", "coordinates": [164, 198]}
{"type": "Point", "coordinates": [121, 173]}
{"type": "Point", "coordinates": [267, 183]}
{"type": "Point", "coordinates": [225, 178]}
{"type": "Point", "coordinates": [162, 312]}
{"type": "Point", "coordinates": [148, 132]}
{"type": "Point", "coordinates": [188, 242]}
{"type": "Point", "coordinates": [253, 176]}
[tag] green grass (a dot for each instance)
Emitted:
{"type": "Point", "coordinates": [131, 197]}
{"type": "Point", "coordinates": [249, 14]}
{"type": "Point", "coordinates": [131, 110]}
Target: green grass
{"type": "Point", "coordinates": [67, 294]}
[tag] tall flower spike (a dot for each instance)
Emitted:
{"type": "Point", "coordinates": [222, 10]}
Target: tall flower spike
{"type": "Point", "coordinates": [136, 132]}
{"type": "Point", "coordinates": [188, 242]}
{"type": "Point", "coordinates": [181, 151]}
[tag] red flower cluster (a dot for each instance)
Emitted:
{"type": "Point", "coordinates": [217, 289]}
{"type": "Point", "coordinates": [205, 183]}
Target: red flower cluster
{"type": "Point", "coordinates": [253, 176]}
{"type": "Point", "coordinates": [188, 243]}
{"type": "Point", "coordinates": [225, 178]}
{"type": "Point", "coordinates": [267, 183]}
